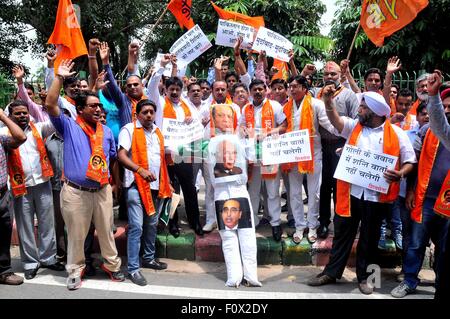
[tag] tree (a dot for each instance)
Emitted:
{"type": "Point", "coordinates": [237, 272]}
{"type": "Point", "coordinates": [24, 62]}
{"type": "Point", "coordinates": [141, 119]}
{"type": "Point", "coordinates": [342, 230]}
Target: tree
{"type": "Point", "coordinates": [420, 45]}
{"type": "Point", "coordinates": [118, 22]}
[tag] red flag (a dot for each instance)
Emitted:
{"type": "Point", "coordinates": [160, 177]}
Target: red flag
{"type": "Point", "coordinates": [181, 9]}
{"type": "Point", "coordinates": [67, 34]}
{"type": "Point", "coordinates": [255, 22]}
{"type": "Point", "coordinates": [380, 19]}
{"type": "Point", "coordinates": [282, 67]}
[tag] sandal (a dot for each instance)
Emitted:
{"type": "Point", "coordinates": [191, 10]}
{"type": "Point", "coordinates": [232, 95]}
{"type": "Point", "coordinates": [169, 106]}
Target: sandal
{"type": "Point", "coordinates": [312, 236]}
{"type": "Point", "coordinates": [297, 237]}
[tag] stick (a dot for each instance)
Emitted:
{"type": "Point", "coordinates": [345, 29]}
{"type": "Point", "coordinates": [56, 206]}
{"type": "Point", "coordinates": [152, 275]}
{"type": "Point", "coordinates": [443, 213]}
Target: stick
{"type": "Point", "coordinates": [150, 32]}
{"type": "Point", "coordinates": [353, 42]}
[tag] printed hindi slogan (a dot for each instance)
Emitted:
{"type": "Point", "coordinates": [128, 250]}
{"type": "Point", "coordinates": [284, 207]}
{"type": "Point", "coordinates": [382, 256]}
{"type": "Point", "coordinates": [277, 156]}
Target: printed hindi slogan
{"type": "Point", "coordinates": [291, 147]}
{"type": "Point", "coordinates": [177, 133]}
{"type": "Point", "coordinates": [190, 45]}
{"type": "Point", "coordinates": [364, 168]}
{"type": "Point", "coordinates": [181, 70]}
{"type": "Point", "coordinates": [275, 45]}
{"type": "Point", "coordinates": [228, 32]}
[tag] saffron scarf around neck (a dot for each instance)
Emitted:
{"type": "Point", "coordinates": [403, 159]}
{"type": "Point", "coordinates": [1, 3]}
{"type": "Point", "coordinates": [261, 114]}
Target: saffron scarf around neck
{"type": "Point", "coordinates": [140, 157]}
{"type": "Point", "coordinates": [169, 109]}
{"type": "Point", "coordinates": [134, 102]}
{"type": "Point", "coordinates": [97, 169]}
{"type": "Point", "coordinates": [306, 122]}
{"type": "Point", "coordinates": [15, 168]}
{"type": "Point", "coordinates": [391, 146]}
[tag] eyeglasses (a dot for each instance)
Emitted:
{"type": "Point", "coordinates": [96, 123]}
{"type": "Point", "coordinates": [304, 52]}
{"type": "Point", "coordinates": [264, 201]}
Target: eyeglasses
{"type": "Point", "coordinates": [95, 105]}
{"type": "Point", "coordinates": [130, 85]}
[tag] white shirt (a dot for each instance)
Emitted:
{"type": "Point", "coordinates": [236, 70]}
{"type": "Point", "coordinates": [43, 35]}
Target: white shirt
{"type": "Point", "coordinates": [29, 154]}
{"type": "Point", "coordinates": [320, 118]}
{"type": "Point", "coordinates": [153, 152]}
{"type": "Point", "coordinates": [414, 123]}
{"type": "Point", "coordinates": [372, 139]}
{"type": "Point", "coordinates": [277, 111]}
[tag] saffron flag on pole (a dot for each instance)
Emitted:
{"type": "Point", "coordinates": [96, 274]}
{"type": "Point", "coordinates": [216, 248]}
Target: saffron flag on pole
{"type": "Point", "coordinates": [67, 34]}
{"type": "Point", "coordinates": [282, 67]}
{"type": "Point", "coordinates": [255, 22]}
{"type": "Point", "coordinates": [181, 9]}
{"type": "Point", "coordinates": [380, 19]}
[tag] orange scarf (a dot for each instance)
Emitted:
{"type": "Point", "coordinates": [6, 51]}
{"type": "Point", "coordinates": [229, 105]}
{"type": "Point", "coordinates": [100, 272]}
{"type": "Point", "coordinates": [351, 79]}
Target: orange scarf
{"type": "Point", "coordinates": [413, 109]}
{"type": "Point", "coordinates": [306, 122]}
{"type": "Point", "coordinates": [169, 110]}
{"type": "Point", "coordinates": [391, 146]}
{"type": "Point", "coordinates": [267, 123]}
{"type": "Point", "coordinates": [134, 102]}
{"type": "Point", "coordinates": [70, 100]}
{"type": "Point", "coordinates": [426, 163]}
{"type": "Point", "coordinates": [228, 100]}
{"type": "Point", "coordinates": [393, 106]}
{"type": "Point", "coordinates": [212, 127]}
{"type": "Point", "coordinates": [15, 168]}
{"type": "Point", "coordinates": [139, 156]}
{"type": "Point", "coordinates": [97, 172]}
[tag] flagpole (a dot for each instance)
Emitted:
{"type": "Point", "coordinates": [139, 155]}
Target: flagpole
{"type": "Point", "coordinates": [353, 42]}
{"type": "Point", "coordinates": [150, 32]}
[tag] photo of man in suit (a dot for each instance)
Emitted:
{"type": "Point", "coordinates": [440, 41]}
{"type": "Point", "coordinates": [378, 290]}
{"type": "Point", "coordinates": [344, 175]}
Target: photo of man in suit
{"type": "Point", "coordinates": [226, 160]}
{"type": "Point", "coordinates": [231, 213]}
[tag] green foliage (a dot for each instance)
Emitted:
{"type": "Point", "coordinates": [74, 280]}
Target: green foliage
{"type": "Point", "coordinates": [421, 45]}
{"type": "Point", "coordinates": [118, 22]}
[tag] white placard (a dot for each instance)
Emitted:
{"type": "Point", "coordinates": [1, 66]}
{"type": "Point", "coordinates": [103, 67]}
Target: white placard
{"type": "Point", "coordinates": [177, 133]}
{"type": "Point", "coordinates": [229, 31]}
{"type": "Point", "coordinates": [291, 147]}
{"type": "Point", "coordinates": [274, 44]}
{"type": "Point", "coordinates": [181, 68]}
{"type": "Point", "coordinates": [364, 168]}
{"type": "Point", "coordinates": [190, 46]}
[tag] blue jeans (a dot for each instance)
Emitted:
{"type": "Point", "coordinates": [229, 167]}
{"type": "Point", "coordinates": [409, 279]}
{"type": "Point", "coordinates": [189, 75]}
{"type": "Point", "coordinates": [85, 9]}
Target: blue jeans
{"type": "Point", "coordinates": [140, 225]}
{"type": "Point", "coordinates": [433, 226]}
{"type": "Point", "coordinates": [394, 218]}
{"type": "Point", "coordinates": [405, 216]}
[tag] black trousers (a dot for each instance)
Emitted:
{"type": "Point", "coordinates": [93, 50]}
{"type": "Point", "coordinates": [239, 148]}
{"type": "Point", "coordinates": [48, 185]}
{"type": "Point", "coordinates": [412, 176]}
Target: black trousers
{"type": "Point", "coordinates": [370, 214]}
{"type": "Point", "coordinates": [5, 233]}
{"type": "Point", "coordinates": [181, 175]}
{"type": "Point", "coordinates": [328, 186]}
{"type": "Point", "coordinates": [443, 285]}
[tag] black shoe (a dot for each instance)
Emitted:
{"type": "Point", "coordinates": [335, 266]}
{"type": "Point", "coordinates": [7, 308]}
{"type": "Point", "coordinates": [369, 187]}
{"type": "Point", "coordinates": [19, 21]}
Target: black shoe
{"type": "Point", "coordinates": [322, 231]}
{"type": "Point", "coordinates": [138, 279]}
{"type": "Point", "coordinates": [305, 201]}
{"type": "Point", "coordinates": [31, 273]}
{"type": "Point", "coordinates": [89, 270]}
{"type": "Point", "coordinates": [173, 230]}
{"type": "Point", "coordinates": [56, 266]}
{"type": "Point", "coordinates": [276, 233]}
{"type": "Point", "coordinates": [198, 230]}
{"type": "Point", "coordinates": [154, 264]}
{"type": "Point", "coordinates": [284, 208]}
{"type": "Point", "coordinates": [113, 275]}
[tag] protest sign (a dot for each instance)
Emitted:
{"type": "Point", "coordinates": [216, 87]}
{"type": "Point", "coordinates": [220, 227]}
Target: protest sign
{"type": "Point", "coordinates": [181, 68]}
{"type": "Point", "coordinates": [364, 168]}
{"type": "Point", "coordinates": [178, 133]}
{"type": "Point", "coordinates": [273, 43]}
{"type": "Point", "coordinates": [291, 147]}
{"type": "Point", "coordinates": [228, 32]}
{"type": "Point", "coordinates": [190, 45]}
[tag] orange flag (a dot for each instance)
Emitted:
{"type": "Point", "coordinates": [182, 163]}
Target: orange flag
{"type": "Point", "coordinates": [67, 34]}
{"type": "Point", "coordinates": [282, 67]}
{"type": "Point", "coordinates": [181, 9]}
{"type": "Point", "coordinates": [380, 19]}
{"type": "Point", "coordinates": [255, 22]}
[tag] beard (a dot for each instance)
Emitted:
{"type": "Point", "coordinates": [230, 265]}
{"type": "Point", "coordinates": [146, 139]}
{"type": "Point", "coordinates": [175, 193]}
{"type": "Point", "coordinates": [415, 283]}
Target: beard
{"type": "Point", "coordinates": [365, 120]}
{"type": "Point", "coordinates": [423, 96]}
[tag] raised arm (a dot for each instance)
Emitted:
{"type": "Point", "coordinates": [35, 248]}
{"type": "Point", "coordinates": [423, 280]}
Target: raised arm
{"type": "Point", "coordinates": [346, 66]}
{"type": "Point", "coordinates": [330, 108]}
{"type": "Point", "coordinates": [239, 65]}
{"type": "Point", "coordinates": [94, 45]}
{"type": "Point", "coordinates": [64, 71]}
{"type": "Point", "coordinates": [438, 120]}
{"type": "Point", "coordinates": [35, 109]}
{"type": "Point", "coordinates": [49, 71]}
{"type": "Point", "coordinates": [113, 89]}
{"type": "Point", "coordinates": [17, 134]}
{"type": "Point", "coordinates": [133, 55]}
{"type": "Point", "coordinates": [294, 71]}
{"type": "Point", "coordinates": [393, 66]}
